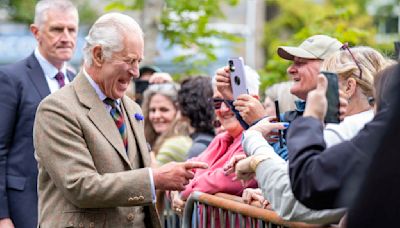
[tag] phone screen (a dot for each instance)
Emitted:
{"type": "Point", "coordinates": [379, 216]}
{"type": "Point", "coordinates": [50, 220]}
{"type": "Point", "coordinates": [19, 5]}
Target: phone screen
{"type": "Point", "coordinates": [332, 95]}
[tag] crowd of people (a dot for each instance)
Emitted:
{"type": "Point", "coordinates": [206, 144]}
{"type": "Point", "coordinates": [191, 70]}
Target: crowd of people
{"type": "Point", "coordinates": [105, 146]}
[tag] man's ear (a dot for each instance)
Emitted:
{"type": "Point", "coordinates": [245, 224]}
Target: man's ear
{"type": "Point", "coordinates": [35, 31]}
{"type": "Point", "coordinates": [97, 56]}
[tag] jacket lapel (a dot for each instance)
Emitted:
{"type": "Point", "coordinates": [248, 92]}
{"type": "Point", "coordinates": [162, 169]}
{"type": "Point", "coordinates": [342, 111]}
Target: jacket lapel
{"type": "Point", "coordinates": [137, 129]}
{"type": "Point", "coordinates": [98, 115]}
{"type": "Point", "coordinates": [36, 75]}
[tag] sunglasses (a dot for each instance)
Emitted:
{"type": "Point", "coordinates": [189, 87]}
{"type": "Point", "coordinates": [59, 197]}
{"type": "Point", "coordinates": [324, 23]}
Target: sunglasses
{"type": "Point", "coordinates": [217, 102]}
{"type": "Point", "coordinates": [346, 47]}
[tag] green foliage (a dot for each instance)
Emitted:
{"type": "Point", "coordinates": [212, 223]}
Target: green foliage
{"type": "Point", "coordinates": [185, 23]}
{"type": "Point", "coordinates": [22, 10]}
{"type": "Point", "coordinates": [299, 19]}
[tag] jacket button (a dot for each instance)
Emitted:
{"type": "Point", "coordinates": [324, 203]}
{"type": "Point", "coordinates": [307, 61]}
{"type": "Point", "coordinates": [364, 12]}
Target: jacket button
{"type": "Point", "coordinates": [130, 199]}
{"type": "Point", "coordinates": [130, 217]}
{"type": "Point", "coordinates": [91, 224]}
{"type": "Point", "coordinates": [136, 198]}
{"type": "Point", "coordinates": [141, 198]}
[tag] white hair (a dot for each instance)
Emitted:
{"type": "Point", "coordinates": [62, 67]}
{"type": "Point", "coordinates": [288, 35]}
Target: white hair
{"type": "Point", "coordinates": [108, 32]}
{"type": "Point", "coordinates": [252, 80]}
{"type": "Point", "coordinates": [43, 6]}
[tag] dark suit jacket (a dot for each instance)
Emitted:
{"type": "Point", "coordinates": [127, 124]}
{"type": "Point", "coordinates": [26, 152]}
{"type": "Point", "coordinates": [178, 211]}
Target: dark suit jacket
{"type": "Point", "coordinates": [325, 178]}
{"type": "Point", "coordinates": [22, 87]}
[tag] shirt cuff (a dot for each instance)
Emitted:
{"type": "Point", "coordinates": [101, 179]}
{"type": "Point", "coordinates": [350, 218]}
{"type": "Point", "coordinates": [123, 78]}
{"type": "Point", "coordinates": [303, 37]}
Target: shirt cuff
{"type": "Point", "coordinates": [153, 188]}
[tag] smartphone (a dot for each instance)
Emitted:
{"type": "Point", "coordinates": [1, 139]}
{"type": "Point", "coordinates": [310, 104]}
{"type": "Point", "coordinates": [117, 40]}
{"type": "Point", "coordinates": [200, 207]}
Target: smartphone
{"type": "Point", "coordinates": [278, 118]}
{"type": "Point", "coordinates": [238, 76]}
{"type": "Point", "coordinates": [332, 96]}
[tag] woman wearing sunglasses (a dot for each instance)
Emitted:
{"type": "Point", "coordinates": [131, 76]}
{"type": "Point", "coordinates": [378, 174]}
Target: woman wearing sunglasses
{"type": "Point", "coordinates": [224, 146]}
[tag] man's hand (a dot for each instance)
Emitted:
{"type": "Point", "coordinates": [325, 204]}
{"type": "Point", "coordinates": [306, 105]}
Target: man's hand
{"type": "Point", "coordinates": [6, 223]}
{"type": "Point", "coordinates": [177, 204]}
{"type": "Point", "coordinates": [316, 105]}
{"type": "Point", "coordinates": [223, 80]}
{"type": "Point", "coordinates": [229, 167]}
{"type": "Point", "coordinates": [250, 108]}
{"type": "Point", "coordinates": [174, 175]}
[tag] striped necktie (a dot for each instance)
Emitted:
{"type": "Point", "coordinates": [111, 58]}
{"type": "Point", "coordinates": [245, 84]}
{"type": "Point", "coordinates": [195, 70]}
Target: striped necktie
{"type": "Point", "coordinates": [118, 119]}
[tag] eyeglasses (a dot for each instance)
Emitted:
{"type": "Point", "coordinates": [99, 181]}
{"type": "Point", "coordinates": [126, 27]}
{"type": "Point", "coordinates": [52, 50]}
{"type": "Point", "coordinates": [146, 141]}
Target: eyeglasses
{"type": "Point", "coordinates": [346, 47]}
{"type": "Point", "coordinates": [217, 102]}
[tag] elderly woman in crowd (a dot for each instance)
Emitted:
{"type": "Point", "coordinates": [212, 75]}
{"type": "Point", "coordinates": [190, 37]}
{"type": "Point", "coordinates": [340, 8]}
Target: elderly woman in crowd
{"type": "Point", "coordinates": [224, 146]}
{"type": "Point", "coordinates": [272, 172]}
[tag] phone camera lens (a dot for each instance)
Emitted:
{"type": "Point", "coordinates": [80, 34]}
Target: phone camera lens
{"type": "Point", "coordinates": [231, 66]}
{"type": "Point", "coordinates": [237, 80]}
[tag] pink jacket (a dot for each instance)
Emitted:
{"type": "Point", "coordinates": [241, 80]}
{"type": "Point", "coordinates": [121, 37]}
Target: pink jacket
{"type": "Point", "coordinates": [213, 179]}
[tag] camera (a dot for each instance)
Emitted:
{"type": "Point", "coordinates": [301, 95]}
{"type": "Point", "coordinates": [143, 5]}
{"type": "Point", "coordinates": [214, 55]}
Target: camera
{"type": "Point", "coordinates": [237, 80]}
{"type": "Point", "coordinates": [231, 66]}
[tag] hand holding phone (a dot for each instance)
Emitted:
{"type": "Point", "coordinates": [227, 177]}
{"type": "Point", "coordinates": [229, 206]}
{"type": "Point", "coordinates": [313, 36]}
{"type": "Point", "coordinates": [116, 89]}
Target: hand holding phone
{"type": "Point", "coordinates": [332, 96]}
{"type": "Point", "coordinates": [238, 76]}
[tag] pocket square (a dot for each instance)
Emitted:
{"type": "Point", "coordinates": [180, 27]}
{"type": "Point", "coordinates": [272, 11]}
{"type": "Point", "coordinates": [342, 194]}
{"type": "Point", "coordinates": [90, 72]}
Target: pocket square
{"type": "Point", "coordinates": [138, 116]}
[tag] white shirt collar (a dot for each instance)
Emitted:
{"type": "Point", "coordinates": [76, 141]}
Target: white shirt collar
{"type": "Point", "coordinates": [49, 70]}
{"type": "Point", "coordinates": [96, 87]}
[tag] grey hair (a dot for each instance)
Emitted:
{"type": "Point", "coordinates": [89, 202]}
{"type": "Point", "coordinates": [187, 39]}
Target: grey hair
{"type": "Point", "coordinates": [252, 81]}
{"type": "Point", "coordinates": [108, 32]}
{"type": "Point", "coordinates": [59, 5]}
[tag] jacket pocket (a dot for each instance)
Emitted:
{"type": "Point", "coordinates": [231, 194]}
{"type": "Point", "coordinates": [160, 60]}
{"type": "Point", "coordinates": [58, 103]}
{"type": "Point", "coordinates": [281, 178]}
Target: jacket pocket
{"type": "Point", "coordinates": [83, 219]}
{"type": "Point", "coordinates": [15, 182]}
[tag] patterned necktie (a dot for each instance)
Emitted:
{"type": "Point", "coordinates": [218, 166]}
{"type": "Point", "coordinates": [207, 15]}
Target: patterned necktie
{"type": "Point", "coordinates": [60, 79]}
{"type": "Point", "coordinates": [118, 119]}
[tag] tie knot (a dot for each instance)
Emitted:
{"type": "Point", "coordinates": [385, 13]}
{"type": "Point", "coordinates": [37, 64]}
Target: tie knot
{"type": "Point", "coordinates": [60, 79]}
{"type": "Point", "coordinates": [60, 76]}
{"type": "Point", "coordinates": [110, 102]}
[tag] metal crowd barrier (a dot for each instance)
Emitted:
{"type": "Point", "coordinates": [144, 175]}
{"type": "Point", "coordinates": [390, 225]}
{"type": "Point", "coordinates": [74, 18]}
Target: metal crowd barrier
{"type": "Point", "coordinates": [229, 211]}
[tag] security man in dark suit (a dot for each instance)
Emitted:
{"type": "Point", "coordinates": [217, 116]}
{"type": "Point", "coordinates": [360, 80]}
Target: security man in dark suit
{"type": "Point", "coordinates": [22, 86]}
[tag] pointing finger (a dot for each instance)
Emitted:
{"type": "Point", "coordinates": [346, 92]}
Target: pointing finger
{"type": "Point", "coordinates": [195, 165]}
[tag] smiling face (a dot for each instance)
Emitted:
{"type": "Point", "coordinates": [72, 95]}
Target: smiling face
{"type": "Point", "coordinates": [304, 73]}
{"type": "Point", "coordinates": [227, 117]}
{"type": "Point", "coordinates": [114, 75]}
{"type": "Point", "coordinates": [161, 113]}
{"type": "Point", "coordinates": [56, 37]}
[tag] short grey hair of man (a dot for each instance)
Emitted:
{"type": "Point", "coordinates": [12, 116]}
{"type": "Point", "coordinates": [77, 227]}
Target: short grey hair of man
{"type": "Point", "coordinates": [55, 5]}
{"type": "Point", "coordinates": [108, 32]}
{"type": "Point", "coordinates": [252, 80]}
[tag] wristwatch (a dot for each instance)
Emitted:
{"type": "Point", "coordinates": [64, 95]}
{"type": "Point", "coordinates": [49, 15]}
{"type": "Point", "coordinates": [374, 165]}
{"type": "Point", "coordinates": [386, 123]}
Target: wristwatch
{"type": "Point", "coordinates": [256, 159]}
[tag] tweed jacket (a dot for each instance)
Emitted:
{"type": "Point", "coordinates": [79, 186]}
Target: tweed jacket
{"type": "Point", "coordinates": [86, 177]}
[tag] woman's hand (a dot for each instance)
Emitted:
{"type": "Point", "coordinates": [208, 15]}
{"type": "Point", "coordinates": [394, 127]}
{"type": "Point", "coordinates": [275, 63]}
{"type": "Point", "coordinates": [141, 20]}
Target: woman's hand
{"type": "Point", "coordinates": [229, 167]}
{"type": "Point", "coordinates": [250, 108]}
{"type": "Point", "coordinates": [222, 77]}
{"type": "Point", "coordinates": [269, 129]}
{"type": "Point", "coordinates": [254, 194]}
{"type": "Point", "coordinates": [178, 205]}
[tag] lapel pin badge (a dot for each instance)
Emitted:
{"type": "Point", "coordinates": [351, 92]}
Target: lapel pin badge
{"type": "Point", "coordinates": [138, 116]}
